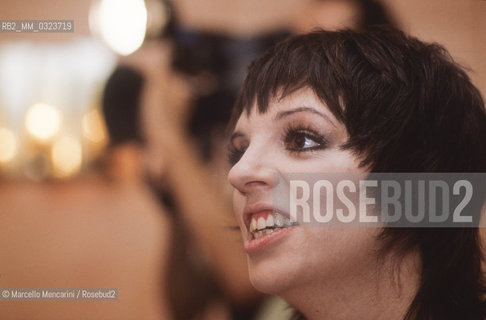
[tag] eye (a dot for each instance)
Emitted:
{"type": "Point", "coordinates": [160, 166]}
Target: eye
{"type": "Point", "coordinates": [236, 148]}
{"type": "Point", "coordinates": [234, 154]}
{"type": "Point", "coordinates": [303, 139]}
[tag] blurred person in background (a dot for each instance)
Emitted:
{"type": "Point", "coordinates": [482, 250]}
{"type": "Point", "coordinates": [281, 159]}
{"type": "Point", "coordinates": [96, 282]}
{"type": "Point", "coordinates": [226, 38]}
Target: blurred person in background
{"type": "Point", "coordinates": [209, 266]}
{"type": "Point", "coordinates": [206, 276]}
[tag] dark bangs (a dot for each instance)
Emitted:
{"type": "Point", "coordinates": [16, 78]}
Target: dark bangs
{"type": "Point", "coordinates": [291, 65]}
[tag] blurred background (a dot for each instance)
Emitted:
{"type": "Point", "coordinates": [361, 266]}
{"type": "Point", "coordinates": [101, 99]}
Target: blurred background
{"type": "Point", "coordinates": [112, 153]}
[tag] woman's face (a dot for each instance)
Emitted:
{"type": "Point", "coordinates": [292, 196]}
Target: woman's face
{"type": "Point", "coordinates": [297, 134]}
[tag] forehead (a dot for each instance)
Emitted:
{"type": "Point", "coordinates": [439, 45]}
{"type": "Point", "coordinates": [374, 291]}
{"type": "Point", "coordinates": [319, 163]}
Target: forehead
{"type": "Point", "coordinates": [302, 99]}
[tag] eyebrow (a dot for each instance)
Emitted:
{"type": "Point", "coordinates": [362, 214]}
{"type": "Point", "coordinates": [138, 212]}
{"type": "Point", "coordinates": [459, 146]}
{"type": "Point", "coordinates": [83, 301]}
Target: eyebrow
{"type": "Point", "coordinates": [284, 114]}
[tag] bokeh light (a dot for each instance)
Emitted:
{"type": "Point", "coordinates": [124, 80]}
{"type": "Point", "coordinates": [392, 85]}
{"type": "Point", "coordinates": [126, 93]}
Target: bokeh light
{"type": "Point", "coordinates": [93, 126]}
{"type": "Point", "coordinates": [42, 121]}
{"type": "Point", "coordinates": [120, 23]}
{"type": "Point", "coordinates": [66, 156]}
{"type": "Point", "coordinates": [8, 145]}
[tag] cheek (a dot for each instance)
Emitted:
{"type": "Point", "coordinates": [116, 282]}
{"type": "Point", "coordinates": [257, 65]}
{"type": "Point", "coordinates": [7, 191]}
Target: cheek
{"type": "Point", "coordinates": [334, 161]}
{"type": "Point", "coordinates": [341, 252]}
{"type": "Point", "coordinates": [238, 206]}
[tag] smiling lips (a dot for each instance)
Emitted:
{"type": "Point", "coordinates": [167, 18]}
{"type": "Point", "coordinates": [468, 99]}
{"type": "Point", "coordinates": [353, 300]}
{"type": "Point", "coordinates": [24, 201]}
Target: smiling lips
{"type": "Point", "coordinates": [265, 222]}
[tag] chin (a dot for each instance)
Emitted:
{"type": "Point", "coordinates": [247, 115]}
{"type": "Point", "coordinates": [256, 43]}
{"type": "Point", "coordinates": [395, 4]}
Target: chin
{"type": "Point", "coordinates": [271, 276]}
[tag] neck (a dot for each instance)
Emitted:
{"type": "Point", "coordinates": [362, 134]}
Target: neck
{"type": "Point", "coordinates": [383, 292]}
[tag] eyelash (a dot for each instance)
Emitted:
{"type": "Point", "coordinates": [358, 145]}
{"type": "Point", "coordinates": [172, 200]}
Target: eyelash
{"type": "Point", "coordinates": [234, 155]}
{"type": "Point", "coordinates": [291, 133]}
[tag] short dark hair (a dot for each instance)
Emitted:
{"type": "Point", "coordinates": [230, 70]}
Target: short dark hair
{"type": "Point", "coordinates": [407, 107]}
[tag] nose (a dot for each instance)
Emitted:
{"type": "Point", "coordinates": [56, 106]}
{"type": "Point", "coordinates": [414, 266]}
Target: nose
{"type": "Point", "coordinates": [255, 171]}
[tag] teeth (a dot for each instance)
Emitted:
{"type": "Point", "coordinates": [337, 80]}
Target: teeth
{"type": "Point", "coordinates": [279, 220]}
{"type": "Point", "coordinates": [253, 225]}
{"type": "Point", "coordinates": [270, 221]}
{"type": "Point", "coordinates": [261, 226]}
{"type": "Point", "coordinates": [260, 233]}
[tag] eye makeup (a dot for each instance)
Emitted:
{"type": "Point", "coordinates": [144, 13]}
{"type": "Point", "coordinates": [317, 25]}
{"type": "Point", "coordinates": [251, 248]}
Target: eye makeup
{"type": "Point", "coordinates": [303, 138]}
{"type": "Point", "coordinates": [298, 131]}
{"type": "Point", "coordinates": [236, 149]}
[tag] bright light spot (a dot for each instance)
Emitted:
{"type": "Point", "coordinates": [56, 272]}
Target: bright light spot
{"type": "Point", "coordinates": [42, 121]}
{"type": "Point", "coordinates": [122, 23]}
{"type": "Point", "coordinates": [66, 155]}
{"type": "Point", "coordinates": [8, 145]}
{"type": "Point", "coordinates": [157, 17]}
{"type": "Point", "coordinates": [93, 126]}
